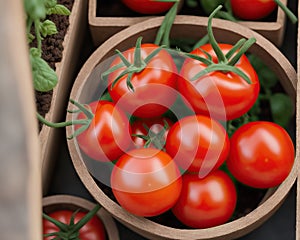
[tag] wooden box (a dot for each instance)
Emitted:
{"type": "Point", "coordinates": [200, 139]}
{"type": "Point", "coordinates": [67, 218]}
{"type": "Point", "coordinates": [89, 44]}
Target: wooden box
{"type": "Point", "coordinates": [104, 27]}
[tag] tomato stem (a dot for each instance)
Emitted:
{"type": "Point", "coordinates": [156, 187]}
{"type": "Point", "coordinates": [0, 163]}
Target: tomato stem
{"type": "Point", "coordinates": [138, 65]}
{"type": "Point", "coordinates": [220, 55]}
{"type": "Point", "coordinates": [84, 122]}
{"type": "Point", "coordinates": [163, 34]}
{"type": "Point", "coordinates": [71, 230]}
{"type": "Point", "coordinates": [287, 11]}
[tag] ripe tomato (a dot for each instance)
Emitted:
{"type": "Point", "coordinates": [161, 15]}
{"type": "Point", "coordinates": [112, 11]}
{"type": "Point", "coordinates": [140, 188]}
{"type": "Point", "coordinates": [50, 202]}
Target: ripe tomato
{"type": "Point", "coordinates": [261, 155]}
{"type": "Point", "coordinates": [154, 87]}
{"type": "Point", "coordinates": [155, 131]}
{"type": "Point", "coordinates": [148, 6]}
{"type": "Point", "coordinates": [109, 133]}
{"type": "Point", "coordinates": [221, 95]}
{"type": "Point", "coordinates": [206, 202]}
{"type": "Point", "coordinates": [252, 10]}
{"type": "Point", "coordinates": [198, 143]}
{"type": "Point", "coordinates": [146, 182]}
{"type": "Point", "coordinates": [92, 230]}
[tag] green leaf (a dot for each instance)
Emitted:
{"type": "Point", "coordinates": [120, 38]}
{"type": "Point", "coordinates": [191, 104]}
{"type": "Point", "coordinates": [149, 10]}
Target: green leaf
{"type": "Point", "coordinates": [59, 10]}
{"type": "Point", "coordinates": [48, 28]}
{"type": "Point", "coordinates": [35, 9]}
{"type": "Point", "coordinates": [50, 3]}
{"type": "Point", "coordinates": [282, 109]}
{"type": "Point", "coordinates": [267, 77]}
{"type": "Point", "coordinates": [44, 77]}
{"type": "Point", "coordinates": [30, 37]}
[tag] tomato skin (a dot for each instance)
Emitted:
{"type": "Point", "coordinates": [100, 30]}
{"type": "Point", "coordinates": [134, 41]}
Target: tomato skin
{"type": "Point", "coordinates": [198, 143]}
{"type": "Point", "coordinates": [223, 96]}
{"type": "Point", "coordinates": [154, 124]}
{"type": "Point", "coordinates": [148, 6]}
{"type": "Point", "coordinates": [146, 182]}
{"type": "Point", "coordinates": [206, 202]}
{"type": "Point", "coordinates": [105, 139]}
{"type": "Point", "coordinates": [252, 10]}
{"type": "Point", "coordinates": [154, 87]}
{"type": "Point", "coordinates": [261, 155]}
{"type": "Point", "coordinates": [92, 230]}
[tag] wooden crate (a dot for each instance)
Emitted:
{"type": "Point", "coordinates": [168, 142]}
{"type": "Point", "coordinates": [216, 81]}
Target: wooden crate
{"type": "Point", "coordinates": [20, 195]}
{"type": "Point", "coordinates": [104, 27]}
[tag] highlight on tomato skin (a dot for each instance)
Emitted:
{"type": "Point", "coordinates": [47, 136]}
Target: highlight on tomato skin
{"type": "Point", "coordinates": [223, 95]}
{"type": "Point", "coordinates": [198, 144]}
{"type": "Point", "coordinates": [146, 182]}
{"type": "Point", "coordinates": [206, 202]}
{"type": "Point", "coordinates": [262, 154]}
{"type": "Point", "coordinates": [252, 10]}
{"type": "Point", "coordinates": [109, 134]}
{"type": "Point", "coordinates": [151, 90]}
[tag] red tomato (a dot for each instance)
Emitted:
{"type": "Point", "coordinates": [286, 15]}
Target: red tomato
{"type": "Point", "coordinates": [148, 6]}
{"type": "Point", "coordinates": [206, 202]}
{"type": "Point", "coordinates": [261, 155]}
{"type": "Point", "coordinates": [154, 87]}
{"type": "Point", "coordinates": [92, 230]}
{"type": "Point", "coordinates": [198, 144]}
{"type": "Point", "coordinates": [156, 127]}
{"type": "Point", "coordinates": [109, 133]}
{"type": "Point", "coordinates": [252, 10]}
{"type": "Point", "coordinates": [222, 95]}
{"type": "Point", "coordinates": [146, 182]}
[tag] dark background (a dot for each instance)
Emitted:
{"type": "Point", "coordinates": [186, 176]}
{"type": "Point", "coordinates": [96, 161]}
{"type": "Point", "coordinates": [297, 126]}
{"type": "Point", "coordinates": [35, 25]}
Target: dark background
{"type": "Point", "coordinates": [280, 226]}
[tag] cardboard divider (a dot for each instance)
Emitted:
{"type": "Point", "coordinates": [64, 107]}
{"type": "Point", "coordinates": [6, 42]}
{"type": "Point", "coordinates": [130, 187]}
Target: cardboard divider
{"type": "Point", "coordinates": [66, 70]}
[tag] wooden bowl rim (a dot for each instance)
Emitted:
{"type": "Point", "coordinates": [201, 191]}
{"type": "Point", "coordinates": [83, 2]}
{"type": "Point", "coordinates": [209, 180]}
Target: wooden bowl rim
{"type": "Point", "coordinates": [74, 201]}
{"type": "Point", "coordinates": [143, 226]}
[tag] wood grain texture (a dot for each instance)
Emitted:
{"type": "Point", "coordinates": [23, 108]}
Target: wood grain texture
{"type": "Point", "coordinates": [192, 27]}
{"type": "Point", "coordinates": [104, 27]}
{"type": "Point", "coordinates": [298, 133]}
{"type": "Point", "coordinates": [66, 71]}
{"type": "Point", "coordinates": [20, 172]}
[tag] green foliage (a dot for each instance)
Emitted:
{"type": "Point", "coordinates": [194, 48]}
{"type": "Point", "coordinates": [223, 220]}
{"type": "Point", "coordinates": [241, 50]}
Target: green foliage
{"type": "Point", "coordinates": [44, 77]}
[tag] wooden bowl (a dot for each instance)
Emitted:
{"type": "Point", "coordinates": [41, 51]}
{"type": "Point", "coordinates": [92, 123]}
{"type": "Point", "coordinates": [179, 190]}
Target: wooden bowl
{"type": "Point", "coordinates": [104, 27]}
{"type": "Point", "coordinates": [190, 27]}
{"type": "Point", "coordinates": [73, 203]}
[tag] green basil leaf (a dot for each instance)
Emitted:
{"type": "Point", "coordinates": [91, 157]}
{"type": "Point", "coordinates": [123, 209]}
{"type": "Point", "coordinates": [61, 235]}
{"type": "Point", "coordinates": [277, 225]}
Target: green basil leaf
{"type": "Point", "coordinates": [44, 77]}
{"type": "Point", "coordinates": [282, 109]}
{"type": "Point", "coordinates": [30, 37]}
{"type": "Point", "coordinates": [50, 3]}
{"type": "Point", "coordinates": [59, 10]}
{"type": "Point", "coordinates": [48, 28]}
{"type": "Point", "coordinates": [35, 9]}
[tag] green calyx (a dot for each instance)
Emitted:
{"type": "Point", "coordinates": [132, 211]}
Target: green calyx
{"type": "Point", "coordinates": [157, 139]}
{"type": "Point", "coordinates": [70, 231]}
{"type": "Point", "coordinates": [84, 122]}
{"type": "Point", "coordinates": [226, 62]}
{"type": "Point", "coordinates": [138, 65]}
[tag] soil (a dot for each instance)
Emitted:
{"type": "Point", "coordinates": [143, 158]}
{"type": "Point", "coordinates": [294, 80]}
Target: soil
{"type": "Point", "coordinates": [52, 48]}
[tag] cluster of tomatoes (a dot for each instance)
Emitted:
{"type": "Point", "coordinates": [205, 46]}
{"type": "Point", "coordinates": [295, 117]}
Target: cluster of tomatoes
{"type": "Point", "coordinates": [242, 9]}
{"type": "Point", "coordinates": [164, 131]}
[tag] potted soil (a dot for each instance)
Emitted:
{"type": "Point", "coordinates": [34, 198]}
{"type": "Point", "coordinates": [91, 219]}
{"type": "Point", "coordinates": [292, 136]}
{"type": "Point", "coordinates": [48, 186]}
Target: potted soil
{"type": "Point", "coordinates": [60, 51]}
{"type": "Point", "coordinates": [93, 173]}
